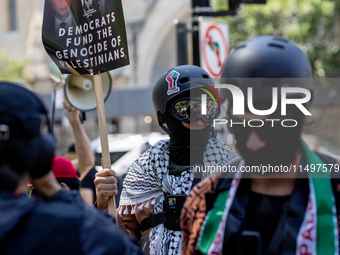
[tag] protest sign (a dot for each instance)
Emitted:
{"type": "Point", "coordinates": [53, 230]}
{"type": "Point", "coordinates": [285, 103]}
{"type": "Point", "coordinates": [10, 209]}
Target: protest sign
{"type": "Point", "coordinates": [85, 36]}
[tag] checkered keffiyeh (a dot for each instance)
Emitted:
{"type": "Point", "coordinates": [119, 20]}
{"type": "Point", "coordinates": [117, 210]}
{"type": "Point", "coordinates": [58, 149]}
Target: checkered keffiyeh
{"type": "Point", "coordinates": [148, 179]}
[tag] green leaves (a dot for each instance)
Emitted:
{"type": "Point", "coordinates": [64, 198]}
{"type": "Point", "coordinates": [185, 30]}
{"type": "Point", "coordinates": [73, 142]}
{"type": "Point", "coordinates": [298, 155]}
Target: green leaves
{"type": "Point", "coordinates": [11, 69]}
{"type": "Point", "coordinates": [313, 24]}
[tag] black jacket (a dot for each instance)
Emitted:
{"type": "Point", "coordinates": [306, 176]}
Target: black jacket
{"type": "Point", "coordinates": [64, 225]}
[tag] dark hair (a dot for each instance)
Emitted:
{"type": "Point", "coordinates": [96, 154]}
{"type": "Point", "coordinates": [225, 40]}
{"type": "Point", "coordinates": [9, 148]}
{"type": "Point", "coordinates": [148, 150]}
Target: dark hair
{"type": "Point", "coordinates": [18, 149]}
{"type": "Point", "coordinates": [71, 148]}
{"type": "Point", "coordinates": [9, 179]}
{"type": "Point", "coordinates": [73, 183]}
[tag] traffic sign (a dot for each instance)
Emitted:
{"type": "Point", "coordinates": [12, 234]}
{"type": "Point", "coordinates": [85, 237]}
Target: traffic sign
{"type": "Point", "coordinates": [214, 45]}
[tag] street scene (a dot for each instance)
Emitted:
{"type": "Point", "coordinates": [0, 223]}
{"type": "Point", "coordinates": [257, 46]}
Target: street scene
{"type": "Point", "coordinates": [169, 127]}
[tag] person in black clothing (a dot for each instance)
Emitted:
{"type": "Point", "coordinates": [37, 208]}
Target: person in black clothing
{"type": "Point", "coordinates": [272, 201]}
{"type": "Point", "coordinates": [63, 223]}
{"type": "Point", "coordinates": [87, 185]}
{"type": "Point", "coordinates": [164, 173]}
{"type": "Point", "coordinates": [87, 188]}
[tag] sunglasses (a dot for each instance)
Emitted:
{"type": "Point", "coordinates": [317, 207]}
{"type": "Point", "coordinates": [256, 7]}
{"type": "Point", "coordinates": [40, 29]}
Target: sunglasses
{"type": "Point", "coordinates": [189, 110]}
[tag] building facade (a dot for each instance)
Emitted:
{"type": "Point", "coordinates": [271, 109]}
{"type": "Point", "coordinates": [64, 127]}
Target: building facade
{"type": "Point", "coordinates": [151, 37]}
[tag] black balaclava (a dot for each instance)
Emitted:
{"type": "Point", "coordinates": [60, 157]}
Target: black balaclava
{"type": "Point", "coordinates": [276, 152]}
{"type": "Point", "coordinates": [186, 146]}
{"type": "Point", "coordinates": [282, 143]}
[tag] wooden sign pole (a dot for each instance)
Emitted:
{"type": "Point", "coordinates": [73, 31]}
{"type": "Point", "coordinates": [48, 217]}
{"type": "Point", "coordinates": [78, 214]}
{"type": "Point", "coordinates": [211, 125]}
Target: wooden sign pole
{"type": "Point", "coordinates": [103, 134]}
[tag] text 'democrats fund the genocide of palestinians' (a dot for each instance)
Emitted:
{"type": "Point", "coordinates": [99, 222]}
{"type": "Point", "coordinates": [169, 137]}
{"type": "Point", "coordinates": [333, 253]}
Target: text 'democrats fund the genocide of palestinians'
{"type": "Point", "coordinates": [85, 36]}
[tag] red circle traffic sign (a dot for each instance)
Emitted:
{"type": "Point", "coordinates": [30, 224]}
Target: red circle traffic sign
{"type": "Point", "coordinates": [208, 41]}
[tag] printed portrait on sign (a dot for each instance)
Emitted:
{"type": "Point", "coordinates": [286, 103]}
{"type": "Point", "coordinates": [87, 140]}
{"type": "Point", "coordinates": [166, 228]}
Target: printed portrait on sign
{"type": "Point", "coordinates": [60, 17]}
{"type": "Point", "coordinates": [85, 36]}
{"type": "Point", "coordinates": [63, 16]}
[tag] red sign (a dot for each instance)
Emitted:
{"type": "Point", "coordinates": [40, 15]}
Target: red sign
{"type": "Point", "coordinates": [214, 46]}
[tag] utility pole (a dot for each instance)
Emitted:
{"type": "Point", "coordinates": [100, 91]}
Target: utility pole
{"type": "Point", "coordinates": [182, 43]}
{"type": "Point", "coordinates": [202, 8]}
{"type": "Point", "coordinates": [195, 34]}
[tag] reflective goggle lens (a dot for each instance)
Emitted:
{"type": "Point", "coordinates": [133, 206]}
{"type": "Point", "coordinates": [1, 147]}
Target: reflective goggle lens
{"type": "Point", "coordinates": [190, 110]}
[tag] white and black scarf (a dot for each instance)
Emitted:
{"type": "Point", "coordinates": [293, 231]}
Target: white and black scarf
{"type": "Point", "coordinates": [148, 179]}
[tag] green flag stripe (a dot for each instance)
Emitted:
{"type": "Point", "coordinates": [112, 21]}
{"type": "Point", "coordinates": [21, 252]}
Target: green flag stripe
{"type": "Point", "coordinates": [212, 223]}
{"type": "Point", "coordinates": [325, 243]}
{"type": "Point", "coordinates": [324, 203]}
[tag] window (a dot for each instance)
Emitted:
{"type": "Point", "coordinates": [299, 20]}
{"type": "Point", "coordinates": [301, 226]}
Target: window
{"type": "Point", "coordinates": [12, 15]}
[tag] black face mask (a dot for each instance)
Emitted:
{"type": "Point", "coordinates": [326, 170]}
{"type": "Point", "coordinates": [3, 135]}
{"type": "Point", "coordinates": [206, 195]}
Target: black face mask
{"type": "Point", "coordinates": [282, 143]}
{"type": "Point", "coordinates": [280, 148]}
{"type": "Point", "coordinates": [186, 146]}
{"type": "Point", "coordinates": [272, 154]}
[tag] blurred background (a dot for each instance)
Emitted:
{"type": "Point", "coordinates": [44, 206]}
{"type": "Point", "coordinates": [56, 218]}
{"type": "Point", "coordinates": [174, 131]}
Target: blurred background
{"type": "Point", "coordinates": [164, 33]}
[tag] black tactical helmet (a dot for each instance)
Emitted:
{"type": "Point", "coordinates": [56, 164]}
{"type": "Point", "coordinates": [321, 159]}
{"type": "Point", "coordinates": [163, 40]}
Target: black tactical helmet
{"type": "Point", "coordinates": [266, 57]}
{"type": "Point", "coordinates": [173, 83]}
{"type": "Point", "coordinates": [262, 65]}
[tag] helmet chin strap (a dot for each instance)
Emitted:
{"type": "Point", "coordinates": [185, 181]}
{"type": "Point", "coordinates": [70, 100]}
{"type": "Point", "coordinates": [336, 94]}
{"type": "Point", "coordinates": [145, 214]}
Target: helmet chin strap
{"type": "Point", "coordinates": [165, 129]}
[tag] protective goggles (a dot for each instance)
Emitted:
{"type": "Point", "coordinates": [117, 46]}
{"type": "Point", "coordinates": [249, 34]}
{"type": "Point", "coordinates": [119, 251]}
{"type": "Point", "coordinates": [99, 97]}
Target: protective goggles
{"type": "Point", "coordinates": [189, 110]}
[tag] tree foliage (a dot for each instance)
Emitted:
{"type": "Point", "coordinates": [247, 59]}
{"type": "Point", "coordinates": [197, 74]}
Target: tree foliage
{"type": "Point", "coordinates": [313, 24]}
{"type": "Point", "coordinates": [11, 69]}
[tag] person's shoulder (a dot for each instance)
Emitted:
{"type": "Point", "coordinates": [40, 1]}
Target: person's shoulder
{"type": "Point", "coordinates": [215, 142]}
{"type": "Point", "coordinates": [161, 145]}
{"type": "Point", "coordinates": [328, 159]}
{"type": "Point", "coordinates": [159, 151]}
{"type": "Point", "coordinates": [63, 204]}
{"type": "Point", "coordinates": [98, 229]}
{"type": "Point", "coordinates": [205, 186]}
{"type": "Point", "coordinates": [195, 206]}
{"type": "Point", "coordinates": [66, 212]}
{"type": "Point", "coordinates": [333, 166]}
{"type": "Point", "coordinates": [69, 204]}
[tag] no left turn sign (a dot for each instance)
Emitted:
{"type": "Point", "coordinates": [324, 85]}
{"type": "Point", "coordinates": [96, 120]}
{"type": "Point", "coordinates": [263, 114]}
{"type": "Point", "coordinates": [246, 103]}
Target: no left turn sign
{"type": "Point", "coordinates": [213, 45]}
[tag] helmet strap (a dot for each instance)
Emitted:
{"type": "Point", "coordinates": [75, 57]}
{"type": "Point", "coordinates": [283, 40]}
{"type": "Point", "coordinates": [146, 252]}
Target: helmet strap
{"type": "Point", "coordinates": [165, 129]}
